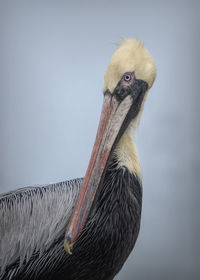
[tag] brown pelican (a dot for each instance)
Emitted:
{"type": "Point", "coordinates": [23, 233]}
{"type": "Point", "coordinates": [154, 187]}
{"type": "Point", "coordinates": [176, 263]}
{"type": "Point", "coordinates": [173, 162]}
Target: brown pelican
{"type": "Point", "coordinates": [102, 211]}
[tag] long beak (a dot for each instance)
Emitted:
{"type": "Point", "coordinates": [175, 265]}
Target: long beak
{"type": "Point", "coordinates": [112, 118]}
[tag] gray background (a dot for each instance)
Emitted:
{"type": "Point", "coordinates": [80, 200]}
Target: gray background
{"type": "Point", "coordinates": [53, 55]}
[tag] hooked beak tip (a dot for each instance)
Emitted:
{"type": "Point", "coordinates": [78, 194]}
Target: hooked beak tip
{"type": "Point", "coordinates": [68, 244]}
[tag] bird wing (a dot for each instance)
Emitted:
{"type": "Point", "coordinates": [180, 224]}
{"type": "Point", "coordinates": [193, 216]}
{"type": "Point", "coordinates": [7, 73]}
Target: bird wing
{"type": "Point", "coordinates": [32, 218]}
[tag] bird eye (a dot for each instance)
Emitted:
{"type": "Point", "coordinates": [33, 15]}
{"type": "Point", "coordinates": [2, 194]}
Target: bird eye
{"type": "Point", "coordinates": [127, 77]}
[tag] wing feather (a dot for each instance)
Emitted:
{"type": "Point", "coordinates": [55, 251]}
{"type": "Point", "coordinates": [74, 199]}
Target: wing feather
{"type": "Point", "coordinates": [33, 218]}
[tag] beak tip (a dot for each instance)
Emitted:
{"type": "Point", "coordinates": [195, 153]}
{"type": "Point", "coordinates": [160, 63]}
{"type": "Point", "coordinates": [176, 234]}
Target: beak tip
{"type": "Point", "coordinates": [68, 244]}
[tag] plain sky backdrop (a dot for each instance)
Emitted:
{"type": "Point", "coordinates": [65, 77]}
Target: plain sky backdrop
{"type": "Point", "coordinates": [53, 55]}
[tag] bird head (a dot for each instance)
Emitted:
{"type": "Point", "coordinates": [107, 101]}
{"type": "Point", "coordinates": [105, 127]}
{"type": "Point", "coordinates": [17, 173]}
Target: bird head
{"type": "Point", "coordinates": [130, 57]}
{"type": "Point", "coordinates": [130, 74]}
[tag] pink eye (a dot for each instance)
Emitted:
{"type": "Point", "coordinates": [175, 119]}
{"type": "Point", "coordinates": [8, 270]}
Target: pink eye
{"type": "Point", "coordinates": [127, 77]}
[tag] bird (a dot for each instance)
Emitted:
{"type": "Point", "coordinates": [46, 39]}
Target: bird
{"type": "Point", "coordinates": [85, 229]}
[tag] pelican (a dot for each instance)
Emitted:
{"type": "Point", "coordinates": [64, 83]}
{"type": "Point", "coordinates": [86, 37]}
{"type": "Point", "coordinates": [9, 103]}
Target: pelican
{"type": "Point", "coordinates": [85, 229]}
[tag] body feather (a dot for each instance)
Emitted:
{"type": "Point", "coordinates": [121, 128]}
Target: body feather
{"type": "Point", "coordinates": [33, 224]}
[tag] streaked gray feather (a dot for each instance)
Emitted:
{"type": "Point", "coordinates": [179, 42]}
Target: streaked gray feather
{"type": "Point", "coordinates": [32, 218]}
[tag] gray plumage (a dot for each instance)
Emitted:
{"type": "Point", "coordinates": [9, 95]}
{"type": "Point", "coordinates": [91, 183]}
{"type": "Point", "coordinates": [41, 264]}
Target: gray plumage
{"type": "Point", "coordinates": [31, 220]}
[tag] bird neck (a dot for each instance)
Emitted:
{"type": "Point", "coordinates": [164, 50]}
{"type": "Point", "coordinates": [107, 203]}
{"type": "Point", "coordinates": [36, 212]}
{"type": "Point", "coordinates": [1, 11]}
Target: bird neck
{"type": "Point", "coordinates": [126, 153]}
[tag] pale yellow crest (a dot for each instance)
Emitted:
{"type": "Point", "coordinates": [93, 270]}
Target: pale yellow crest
{"type": "Point", "coordinates": [130, 56]}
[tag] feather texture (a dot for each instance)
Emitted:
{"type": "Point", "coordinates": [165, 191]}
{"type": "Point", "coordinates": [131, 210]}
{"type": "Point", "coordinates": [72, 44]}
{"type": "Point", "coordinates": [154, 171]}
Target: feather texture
{"type": "Point", "coordinates": [32, 219]}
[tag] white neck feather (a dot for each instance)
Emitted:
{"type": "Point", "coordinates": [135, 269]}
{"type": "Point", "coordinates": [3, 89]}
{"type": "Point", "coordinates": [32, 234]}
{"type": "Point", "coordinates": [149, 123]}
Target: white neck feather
{"type": "Point", "coordinates": [126, 152]}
